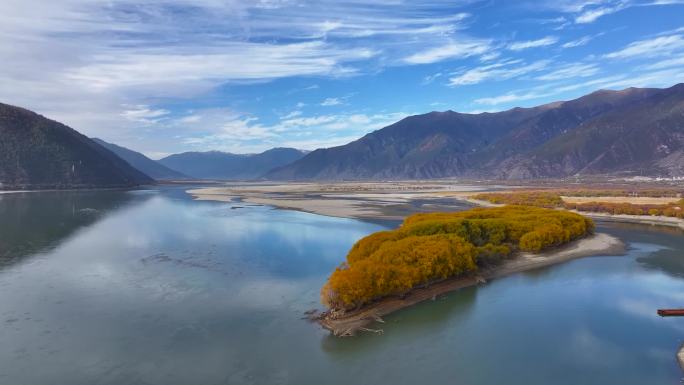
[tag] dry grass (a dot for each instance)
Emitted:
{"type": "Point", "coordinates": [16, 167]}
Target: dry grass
{"type": "Point", "coordinates": [632, 200]}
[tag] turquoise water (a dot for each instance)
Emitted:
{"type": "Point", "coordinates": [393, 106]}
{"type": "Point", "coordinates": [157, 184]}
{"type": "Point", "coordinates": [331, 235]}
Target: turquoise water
{"type": "Point", "coordinates": [149, 287]}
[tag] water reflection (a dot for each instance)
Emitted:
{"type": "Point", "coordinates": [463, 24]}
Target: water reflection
{"type": "Point", "coordinates": [664, 254]}
{"type": "Point", "coordinates": [160, 289]}
{"type": "Point", "coordinates": [33, 222]}
{"type": "Point", "coordinates": [444, 312]}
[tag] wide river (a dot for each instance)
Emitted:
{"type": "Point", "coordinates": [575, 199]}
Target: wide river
{"type": "Point", "coordinates": [150, 287]}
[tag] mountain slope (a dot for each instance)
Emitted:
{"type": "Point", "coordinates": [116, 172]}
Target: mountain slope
{"type": "Point", "coordinates": [640, 130]}
{"type": "Point", "coordinates": [645, 137]}
{"type": "Point", "coordinates": [227, 166]}
{"type": "Point", "coordinates": [423, 146]}
{"type": "Point", "coordinates": [36, 152]}
{"type": "Point", "coordinates": [139, 161]}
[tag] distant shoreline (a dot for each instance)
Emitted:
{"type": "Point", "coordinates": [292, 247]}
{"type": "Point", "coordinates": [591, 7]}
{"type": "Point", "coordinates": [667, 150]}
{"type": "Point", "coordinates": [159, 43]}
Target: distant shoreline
{"type": "Point", "coordinates": [76, 189]}
{"type": "Point", "coordinates": [657, 220]}
{"type": "Point", "coordinates": [358, 200]}
{"type": "Point", "coordinates": [360, 204]}
{"type": "Point", "coordinates": [349, 324]}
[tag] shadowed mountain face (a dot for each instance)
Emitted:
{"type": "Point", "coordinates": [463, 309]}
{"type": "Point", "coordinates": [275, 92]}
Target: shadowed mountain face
{"type": "Point", "coordinates": [36, 152]}
{"type": "Point", "coordinates": [633, 131]}
{"type": "Point", "coordinates": [227, 166]}
{"type": "Point", "coordinates": [146, 165]}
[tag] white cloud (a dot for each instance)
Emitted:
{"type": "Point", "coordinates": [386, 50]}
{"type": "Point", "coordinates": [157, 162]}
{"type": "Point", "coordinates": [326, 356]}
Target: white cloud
{"type": "Point", "coordinates": [144, 114]}
{"type": "Point", "coordinates": [592, 15]}
{"type": "Point", "coordinates": [571, 71]}
{"type": "Point", "coordinates": [328, 102]}
{"type": "Point", "coordinates": [431, 78]}
{"type": "Point", "coordinates": [289, 123]}
{"type": "Point", "coordinates": [499, 71]}
{"type": "Point", "coordinates": [573, 6]}
{"type": "Point", "coordinates": [224, 130]}
{"type": "Point", "coordinates": [512, 97]}
{"type": "Point", "coordinates": [674, 62]}
{"type": "Point", "coordinates": [80, 61]}
{"type": "Point", "coordinates": [543, 42]}
{"type": "Point", "coordinates": [577, 43]}
{"type": "Point", "coordinates": [589, 85]}
{"type": "Point", "coordinates": [489, 56]}
{"type": "Point", "coordinates": [663, 78]}
{"type": "Point", "coordinates": [449, 51]}
{"type": "Point", "coordinates": [232, 127]}
{"type": "Point", "coordinates": [115, 68]}
{"type": "Point", "coordinates": [336, 101]}
{"type": "Point", "coordinates": [663, 45]}
{"type": "Point", "coordinates": [292, 114]}
{"type": "Point", "coordinates": [145, 68]}
{"type": "Point", "coordinates": [588, 11]}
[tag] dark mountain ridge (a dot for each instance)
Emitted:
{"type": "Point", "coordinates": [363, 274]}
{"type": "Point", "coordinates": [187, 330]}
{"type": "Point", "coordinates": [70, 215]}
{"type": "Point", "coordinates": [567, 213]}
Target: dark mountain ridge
{"type": "Point", "coordinates": [633, 131]}
{"type": "Point", "coordinates": [38, 153]}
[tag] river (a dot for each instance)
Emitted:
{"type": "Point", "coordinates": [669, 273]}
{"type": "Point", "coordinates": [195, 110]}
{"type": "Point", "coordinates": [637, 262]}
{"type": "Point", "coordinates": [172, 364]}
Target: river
{"type": "Point", "coordinates": [150, 287]}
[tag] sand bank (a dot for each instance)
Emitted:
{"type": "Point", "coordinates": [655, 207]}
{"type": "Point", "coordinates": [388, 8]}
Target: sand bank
{"type": "Point", "coordinates": [382, 200]}
{"type": "Point", "coordinates": [640, 219]}
{"type": "Point", "coordinates": [371, 200]}
{"type": "Point", "coordinates": [623, 199]}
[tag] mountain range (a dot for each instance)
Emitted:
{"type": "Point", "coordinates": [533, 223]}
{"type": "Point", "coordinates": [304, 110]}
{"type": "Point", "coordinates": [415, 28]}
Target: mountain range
{"type": "Point", "coordinates": [636, 131]}
{"type": "Point", "coordinates": [227, 166]}
{"type": "Point", "coordinates": [36, 152]}
{"type": "Point", "coordinates": [141, 162]}
{"type": "Point", "coordinates": [39, 153]}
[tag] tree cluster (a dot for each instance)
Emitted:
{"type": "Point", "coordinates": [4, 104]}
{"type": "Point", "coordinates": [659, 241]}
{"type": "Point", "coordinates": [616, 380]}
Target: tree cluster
{"type": "Point", "coordinates": [553, 199]}
{"type": "Point", "coordinates": [651, 193]}
{"type": "Point", "coordinates": [528, 198]}
{"type": "Point", "coordinates": [674, 210]}
{"type": "Point", "coordinates": [430, 247]}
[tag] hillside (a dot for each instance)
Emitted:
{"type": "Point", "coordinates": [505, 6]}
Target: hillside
{"type": "Point", "coordinates": [227, 166]}
{"type": "Point", "coordinates": [645, 137]}
{"type": "Point", "coordinates": [633, 131]}
{"type": "Point", "coordinates": [146, 165]}
{"type": "Point", "coordinates": [36, 153]}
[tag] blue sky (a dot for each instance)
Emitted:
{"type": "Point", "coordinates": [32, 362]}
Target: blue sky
{"type": "Point", "coordinates": [162, 76]}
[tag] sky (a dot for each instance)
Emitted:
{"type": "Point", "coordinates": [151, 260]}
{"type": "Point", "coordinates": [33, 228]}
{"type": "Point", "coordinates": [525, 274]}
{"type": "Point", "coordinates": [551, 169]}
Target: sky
{"type": "Point", "coordinates": [243, 76]}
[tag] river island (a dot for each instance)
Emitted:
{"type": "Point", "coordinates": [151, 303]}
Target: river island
{"type": "Point", "coordinates": [435, 253]}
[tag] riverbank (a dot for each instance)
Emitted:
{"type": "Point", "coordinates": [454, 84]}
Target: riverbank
{"type": "Point", "coordinates": [349, 324]}
{"type": "Point", "coordinates": [656, 220]}
{"type": "Point", "coordinates": [378, 200]}
{"type": "Point", "coordinates": [360, 200]}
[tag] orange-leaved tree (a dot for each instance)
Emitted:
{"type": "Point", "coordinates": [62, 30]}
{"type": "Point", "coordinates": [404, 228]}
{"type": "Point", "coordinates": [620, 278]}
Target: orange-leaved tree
{"type": "Point", "coordinates": [431, 247]}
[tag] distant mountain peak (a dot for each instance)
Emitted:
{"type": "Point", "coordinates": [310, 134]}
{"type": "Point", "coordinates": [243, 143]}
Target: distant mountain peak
{"type": "Point", "coordinates": [606, 131]}
{"type": "Point", "coordinates": [229, 166]}
{"type": "Point", "coordinates": [141, 162]}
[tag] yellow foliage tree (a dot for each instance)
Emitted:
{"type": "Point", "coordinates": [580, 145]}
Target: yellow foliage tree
{"type": "Point", "coordinates": [431, 247]}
